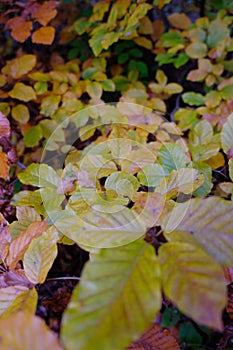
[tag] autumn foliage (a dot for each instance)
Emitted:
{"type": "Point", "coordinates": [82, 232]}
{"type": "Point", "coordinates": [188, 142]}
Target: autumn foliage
{"type": "Point", "coordinates": [116, 124]}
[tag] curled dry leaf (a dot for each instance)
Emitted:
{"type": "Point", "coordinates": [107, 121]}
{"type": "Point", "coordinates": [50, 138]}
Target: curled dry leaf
{"type": "Point", "coordinates": [155, 337]}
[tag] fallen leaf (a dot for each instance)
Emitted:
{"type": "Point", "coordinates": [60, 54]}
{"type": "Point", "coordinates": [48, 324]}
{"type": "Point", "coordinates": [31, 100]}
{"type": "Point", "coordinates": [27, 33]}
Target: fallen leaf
{"type": "Point", "coordinates": [44, 35]}
{"type": "Point", "coordinates": [155, 337]}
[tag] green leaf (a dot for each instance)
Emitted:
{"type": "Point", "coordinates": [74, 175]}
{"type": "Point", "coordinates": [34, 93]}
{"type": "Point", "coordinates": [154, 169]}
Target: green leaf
{"type": "Point", "coordinates": [122, 183]}
{"type": "Point", "coordinates": [94, 89]}
{"type": "Point", "coordinates": [209, 220]}
{"type": "Point", "coordinates": [109, 38]}
{"type": "Point", "coordinates": [81, 25]}
{"type": "Point", "coordinates": [20, 113]}
{"type": "Point", "coordinates": [193, 98]}
{"type": "Point", "coordinates": [218, 32]}
{"type": "Point", "coordinates": [40, 256]}
{"type": "Point", "coordinates": [49, 105]}
{"type": "Point", "coordinates": [207, 185]}
{"type": "Point", "coordinates": [151, 175]}
{"type": "Point", "coordinates": [171, 39]}
{"type": "Point", "coordinates": [226, 134]}
{"type": "Point", "coordinates": [22, 92]}
{"type": "Point", "coordinates": [40, 175]}
{"type": "Point", "coordinates": [108, 85]}
{"type": "Point", "coordinates": [117, 298]}
{"type": "Point", "coordinates": [172, 157]}
{"type": "Point", "coordinates": [170, 317]}
{"type": "Point", "coordinates": [33, 136]}
{"type": "Point", "coordinates": [185, 180]}
{"type": "Point", "coordinates": [187, 272]}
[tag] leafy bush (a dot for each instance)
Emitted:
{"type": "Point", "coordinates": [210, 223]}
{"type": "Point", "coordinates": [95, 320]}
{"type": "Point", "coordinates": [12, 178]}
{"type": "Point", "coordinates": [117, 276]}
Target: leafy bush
{"type": "Point", "coordinates": [121, 116]}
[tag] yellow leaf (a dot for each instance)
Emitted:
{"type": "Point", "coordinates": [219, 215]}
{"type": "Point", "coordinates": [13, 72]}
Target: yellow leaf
{"type": "Point", "coordinates": [187, 271]}
{"type": "Point", "coordinates": [21, 243]}
{"type": "Point", "coordinates": [45, 12]}
{"type": "Point", "coordinates": [144, 42]}
{"type": "Point", "coordinates": [19, 66]}
{"type": "Point", "coordinates": [185, 180]}
{"type": "Point", "coordinates": [20, 113]}
{"type": "Point", "coordinates": [44, 35]}
{"type": "Point", "coordinates": [179, 20]}
{"type": "Point", "coordinates": [22, 92]}
{"type": "Point", "coordinates": [2, 80]}
{"type": "Point", "coordinates": [4, 166]}
{"type": "Point", "coordinates": [196, 50]}
{"type": "Point", "coordinates": [16, 298]}
{"type": "Point", "coordinates": [230, 165]}
{"type": "Point", "coordinates": [40, 256]}
{"type": "Point", "coordinates": [216, 161]}
{"type": "Point", "coordinates": [94, 89]}
{"type": "Point", "coordinates": [226, 134]}
{"type": "Point", "coordinates": [25, 331]}
{"type": "Point", "coordinates": [20, 29]}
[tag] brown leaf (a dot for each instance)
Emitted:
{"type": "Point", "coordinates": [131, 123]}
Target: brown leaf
{"type": "Point", "coordinates": [179, 20]}
{"type": "Point", "coordinates": [4, 166]}
{"type": "Point", "coordinates": [229, 306]}
{"type": "Point", "coordinates": [20, 29]}
{"type": "Point", "coordinates": [228, 272]}
{"type": "Point", "coordinates": [155, 337]}
{"type": "Point", "coordinates": [4, 126]}
{"type": "Point", "coordinates": [45, 12]}
{"type": "Point", "coordinates": [44, 35]}
{"type": "Point", "coordinates": [21, 243]}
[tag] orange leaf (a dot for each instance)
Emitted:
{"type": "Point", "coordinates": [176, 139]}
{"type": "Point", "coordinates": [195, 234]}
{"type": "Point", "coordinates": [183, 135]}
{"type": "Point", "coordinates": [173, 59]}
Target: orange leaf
{"type": "Point", "coordinates": [155, 338]}
{"type": "Point", "coordinates": [45, 12]}
{"type": "Point", "coordinates": [44, 35]}
{"type": "Point", "coordinates": [22, 330]}
{"type": "Point", "coordinates": [4, 126]}
{"type": "Point", "coordinates": [19, 246]}
{"type": "Point", "coordinates": [4, 166]}
{"type": "Point", "coordinates": [21, 29]}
